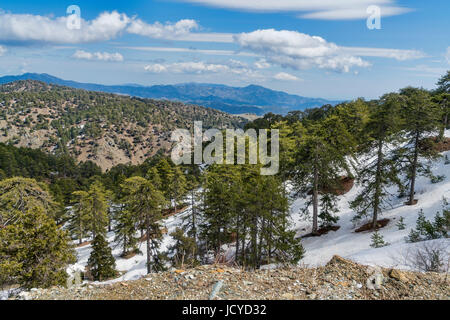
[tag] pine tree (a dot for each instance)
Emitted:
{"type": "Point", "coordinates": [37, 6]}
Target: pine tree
{"type": "Point", "coordinates": [401, 224]}
{"type": "Point", "coordinates": [252, 210]}
{"type": "Point", "coordinates": [185, 250]}
{"type": "Point", "coordinates": [173, 181]}
{"type": "Point", "coordinates": [125, 229]}
{"type": "Point", "coordinates": [21, 194]}
{"type": "Point", "coordinates": [35, 252]}
{"type": "Point", "coordinates": [377, 240]}
{"type": "Point", "coordinates": [382, 129]}
{"type": "Point", "coordinates": [79, 219]}
{"type": "Point", "coordinates": [421, 118]}
{"type": "Point", "coordinates": [323, 152]}
{"type": "Point", "coordinates": [219, 205]}
{"type": "Point", "coordinates": [101, 263]}
{"type": "Point", "coordinates": [91, 210]}
{"type": "Point", "coordinates": [442, 99]}
{"type": "Point", "coordinates": [147, 202]}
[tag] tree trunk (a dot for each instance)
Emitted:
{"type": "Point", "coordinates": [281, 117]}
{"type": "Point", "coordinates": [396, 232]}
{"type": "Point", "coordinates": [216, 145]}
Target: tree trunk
{"type": "Point", "coordinates": [376, 200]}
{"type": "Point", "coordinates": [237, 239]}
{"type": "Point", "coordinates": [315, 199]}
{"type": "Point", "coordinates": [444, 123]}
{"type": "Point", "coordinates": [414, 170]}
{"type": "Point", "coordinates": [194, 226]}
{"type": "Point", "coordinates": [81, 231]}
{"type": "Point", "coordinates": [149, 267]}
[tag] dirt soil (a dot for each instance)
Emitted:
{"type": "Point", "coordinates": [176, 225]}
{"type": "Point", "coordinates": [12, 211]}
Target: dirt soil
{"type": "Point", "coordinates": [368, 226]}
{"type": "Point", "coordinates": [340, 279]}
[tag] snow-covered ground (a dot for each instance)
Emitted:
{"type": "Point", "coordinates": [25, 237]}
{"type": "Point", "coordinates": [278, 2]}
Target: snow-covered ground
{"type": "Point", "coordinates": [319, 250]}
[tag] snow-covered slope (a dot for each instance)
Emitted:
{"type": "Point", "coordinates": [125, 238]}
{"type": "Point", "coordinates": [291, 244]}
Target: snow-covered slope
{"type": "Point", "coordinates": [319, 250]}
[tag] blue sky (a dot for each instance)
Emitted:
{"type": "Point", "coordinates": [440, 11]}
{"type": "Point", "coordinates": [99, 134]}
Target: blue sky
{"type": "Point", "coordinates": [320, 48]}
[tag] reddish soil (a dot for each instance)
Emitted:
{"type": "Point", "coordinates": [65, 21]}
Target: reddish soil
{"type": "Point", "coordinates": [345, 184]}
{"type": "Point", "coordinates": [144, 237]}
{"type": "Point", "coordinates": [411, 204]}
{"type": "Point", "coordinates": [439, 146]}
{"type": "Point", "coordinates": [83, 244]}
{"type": "Point", "coordinates": [322, 231]}
{"type": "Point", "coordinates": [170, 212]}
{"type": "Point", "coordinates": [128, 255]}
{"type": "Point", "coordinates": [368, 226]}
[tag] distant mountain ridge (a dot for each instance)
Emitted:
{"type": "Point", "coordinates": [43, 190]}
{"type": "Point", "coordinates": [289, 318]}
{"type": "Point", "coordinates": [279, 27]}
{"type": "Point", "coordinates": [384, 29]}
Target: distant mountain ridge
{"type": "Point", "coordinates": [235, 100]}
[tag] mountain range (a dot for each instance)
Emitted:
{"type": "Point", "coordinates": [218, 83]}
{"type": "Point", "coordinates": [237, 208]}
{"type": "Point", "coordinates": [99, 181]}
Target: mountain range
{"type": "Point", "coordinates": [235, 100]}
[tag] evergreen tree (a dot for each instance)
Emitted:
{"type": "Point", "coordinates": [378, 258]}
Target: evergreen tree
{"type": "Point", "coordinates": [382, 130]}
{"type": "Point", "coordinates": [101, 263]}
{"type": "Point", "coordinates": [443, 84]}
{"type": "Point", "coordinates": [377, 240]}
{"type": "Point", "coordinates": [173, 181]}
{"type": "Point", "coordinates": [147, 202]}
{"type": "Point", "coordinates": [323, 152]}
{"type": "Point", "coordinates": [34, 251]}
{"type": "Point", "coordinates": [95, 207]}
{"type": "Point", "coordinates": [421, 118]}
{"type": "Point", "coordinates": [442, 99]}
{"type": "Point", "coordinates": [125, 230]}
{"type": "Point", "coordinates": [185, 250]}
{"type": "Point", "coordinates": [21, 194]}
{"type": "Point", "coordinates": [238, 207]}
{"type": "Point", "coordinates": [79, 219]}
{"type": "Point", "coordinates": [219, 205]}
{"type": "Point", "coordinates": [401, 224]}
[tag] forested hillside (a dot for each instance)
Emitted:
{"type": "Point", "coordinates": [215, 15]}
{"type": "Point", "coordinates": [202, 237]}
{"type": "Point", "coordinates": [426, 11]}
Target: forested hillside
{"type": "Point", "coordinates": [105, 128]}
{"type": "Point", "coordinates": [343, 169]}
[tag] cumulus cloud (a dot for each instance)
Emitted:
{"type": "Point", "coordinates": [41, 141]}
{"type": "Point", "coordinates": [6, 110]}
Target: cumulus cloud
{"type": "Point", "coordinates": [317, 9]}
{"type": "Point", "coordinates": [27, 28]}
{"type": "Point", "coordinates": [298, 50]}
{"type": "Point", "coordinates": [201, 67]}
{"type": "Point", "coordinates": [283, 76]}
{"type": "Point", "coordinates": [158, 30]}
{"type": "Point", "coordinates": [2, 50]}
{"type": "Point", "coordinates": [100, 56]}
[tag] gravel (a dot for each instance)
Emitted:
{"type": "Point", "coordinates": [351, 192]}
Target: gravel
{"type": "Point", "coordinates": [340, 279]}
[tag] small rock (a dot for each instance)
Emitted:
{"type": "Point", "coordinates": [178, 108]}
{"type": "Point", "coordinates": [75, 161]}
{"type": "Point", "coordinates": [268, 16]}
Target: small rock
{"type": "Point", "coordinates": [216, 289]}
{"type": "Point", "coordinates": [375, 281]}
{"type": "Point", "coordinates": [287, 296]}
{"type": "Point", "coordinates": [397, 275]}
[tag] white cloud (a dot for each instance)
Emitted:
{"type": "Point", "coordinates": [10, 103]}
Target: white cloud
{"type": "Point", "coordinates": [201, 67]}
{"type": "Point", "coordinates": [2, 50]}
{"type": "Point", "coordinates": [158, 30]}
{"type": "Point", "coordinates": [317, 9]}
{"type": "Point", "coordinates": [397, 54]}
{"type": "Point", "coordinates": [181, 30]}
{"type": "Point", "coordinates": [193, 50]}
{"type": "Point", "coordinates": [27, 28]}
{"type": "Point", "coordinates": [447, 55]}
{"type": "Point", "coordinates": [353, 13]}
{"type": "Point", "coordinates": [298, 50]}
{"type": "Point", "coordinates": [283, 76]}
{"type": "Point", "coordinates": [423, 70]}
{"type": "Point", "coordinates": [262, 64]}
{"type": "Point", "coordinates": [101, 56]}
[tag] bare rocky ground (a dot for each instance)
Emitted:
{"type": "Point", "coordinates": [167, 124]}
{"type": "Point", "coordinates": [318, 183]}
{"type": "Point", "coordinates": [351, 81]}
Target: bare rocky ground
{"type": "Point", "coordinates": [339, 279]}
